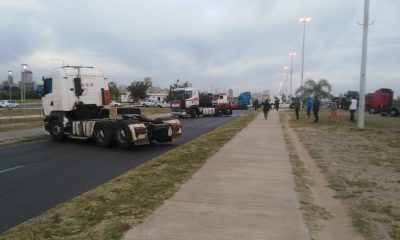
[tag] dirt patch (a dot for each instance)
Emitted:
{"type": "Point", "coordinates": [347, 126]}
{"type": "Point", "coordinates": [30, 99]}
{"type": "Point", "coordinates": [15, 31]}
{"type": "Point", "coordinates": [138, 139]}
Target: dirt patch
{"type": "Point", "coordinates": [326, 216]}
{"type": "Point", "coordinates": [363, 167]}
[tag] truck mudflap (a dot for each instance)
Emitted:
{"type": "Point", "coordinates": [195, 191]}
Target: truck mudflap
{"type": "Point", "coordinates": [175, 128]}
{"type": "Point", "coordinates": [139, 134]}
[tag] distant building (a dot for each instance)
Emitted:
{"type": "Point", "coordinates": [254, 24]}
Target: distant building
{"type": "Point", "coordinates": [154, 90]}
{"type": "Point", "coordinates": [160, 97]}
{"type": "Point", "coordinates": [147, 80]}
{"type": "Point", "coordinates": [230, 93]}
{"type": "Point", "coordinates": [27, 81]}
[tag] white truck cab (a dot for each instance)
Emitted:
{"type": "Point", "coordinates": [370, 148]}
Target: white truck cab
{"type": "Point", "coordinates": [66, 86]}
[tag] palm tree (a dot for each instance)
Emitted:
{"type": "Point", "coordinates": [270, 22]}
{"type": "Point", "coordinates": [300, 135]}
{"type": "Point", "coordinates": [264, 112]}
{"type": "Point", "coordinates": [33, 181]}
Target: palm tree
{"type": "Point", "coordinates": [322, 88]}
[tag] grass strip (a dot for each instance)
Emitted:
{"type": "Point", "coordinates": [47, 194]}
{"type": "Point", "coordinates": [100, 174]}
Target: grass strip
{"type": "Point", "coordinates": [363, 167]}
{"type": "Point", "coordinates": [19, 124]}
{"type": "Point", "coordinates": [111, 209]}
{"type": "Point", "coordinates": [302, 178]}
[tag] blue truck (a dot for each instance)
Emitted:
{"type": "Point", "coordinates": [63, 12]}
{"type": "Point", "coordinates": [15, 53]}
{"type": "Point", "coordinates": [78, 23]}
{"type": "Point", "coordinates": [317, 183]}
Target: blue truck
{"type": "Point", "coordinates": [244, 100]}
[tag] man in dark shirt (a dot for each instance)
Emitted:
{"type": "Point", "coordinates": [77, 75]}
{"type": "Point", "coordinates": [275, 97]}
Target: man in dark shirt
{"type": "Point", "coordinates": [315, 108]}
{"type": "Point", "coordinates": [266, 108]}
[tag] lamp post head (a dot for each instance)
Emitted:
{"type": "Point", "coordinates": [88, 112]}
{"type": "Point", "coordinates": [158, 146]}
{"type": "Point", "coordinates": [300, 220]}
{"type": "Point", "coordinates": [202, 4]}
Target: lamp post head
{"type": "Point", "coordinates": [292, 54]}
{"type": "Point", "coordinates": [305, 19]}
{"type": "Point", "coordinates": [10, 72]}
{"type": "Point", "coordinates": [286, 67]}
{"type": "Point", "coordinates": [24, 66]}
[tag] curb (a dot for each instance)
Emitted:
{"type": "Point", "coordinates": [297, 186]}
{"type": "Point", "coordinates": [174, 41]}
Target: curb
{"type": "Point", "coordinates": [21, 139]}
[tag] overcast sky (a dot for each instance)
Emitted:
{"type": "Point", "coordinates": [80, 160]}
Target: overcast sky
{"type": "Point", "coordinates": [220, 44]}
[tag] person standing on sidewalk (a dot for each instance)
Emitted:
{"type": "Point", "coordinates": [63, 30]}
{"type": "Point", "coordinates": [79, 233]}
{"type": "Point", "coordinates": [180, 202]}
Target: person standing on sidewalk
{"type": "Point", "coordinates": [309, 104]}
{"type": "Point", "coordinates": [266, 108]}
{"type": "Point", "coordinates": [352, 108]}
{"type": "Point", "coordinates": [276, 103]}
{"type": "Point", "coordinates": [255, 105]}
{"type": "Point", "coordinates": [315, 108]}
{"type": "Point", "coordinates": [334, 111]}
{"type": "Point", "coordinates": [297, 106]}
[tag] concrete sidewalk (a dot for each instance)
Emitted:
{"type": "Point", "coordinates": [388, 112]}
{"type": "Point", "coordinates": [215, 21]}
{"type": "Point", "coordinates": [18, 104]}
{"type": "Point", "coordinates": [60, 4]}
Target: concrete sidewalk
{"type": "Point", "coordinates": [246, 191]}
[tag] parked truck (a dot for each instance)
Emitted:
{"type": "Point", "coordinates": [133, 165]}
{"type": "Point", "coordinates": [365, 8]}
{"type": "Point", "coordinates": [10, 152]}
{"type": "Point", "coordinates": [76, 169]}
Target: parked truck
{"type": "Point", "coordinates": [190, 102]}
{"type": "Point", "coordinates": [381, 101]}
{"type": "Point", "coordinates": [75, 102]}
{"type": "Point", "coordinates": [244, 100]}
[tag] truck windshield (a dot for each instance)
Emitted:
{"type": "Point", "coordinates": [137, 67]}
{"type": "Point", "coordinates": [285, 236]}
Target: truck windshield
{"type": "Point", "coordinates": [177, 95]}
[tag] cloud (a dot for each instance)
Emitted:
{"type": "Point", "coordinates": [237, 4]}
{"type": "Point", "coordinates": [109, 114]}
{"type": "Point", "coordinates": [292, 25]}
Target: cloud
{"type": "Point", "coordinates": [224, 44]}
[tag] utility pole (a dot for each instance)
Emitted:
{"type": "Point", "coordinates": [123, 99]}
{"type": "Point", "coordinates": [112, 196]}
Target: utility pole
{"type": "Point", "coordinates": [361, 106]}
{"type": "Point", "coordinates": [292, 54]}
{"type": "Point", "coordinates": [304, 20]}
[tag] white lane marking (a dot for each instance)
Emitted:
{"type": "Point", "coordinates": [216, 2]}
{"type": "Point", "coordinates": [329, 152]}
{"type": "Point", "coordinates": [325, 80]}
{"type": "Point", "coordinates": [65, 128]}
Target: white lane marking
{"type": "Point", "coordinates": [11, 169]}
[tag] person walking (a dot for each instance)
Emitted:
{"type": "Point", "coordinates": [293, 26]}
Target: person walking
{"type": "Point", "coordinates": [309, 105]}
{"type": "Point", "coordinates": [334, 111]}
{"type": "Point", "coordinates": [276, 103]}
{"type": "Point", "coordinates": [255, 105]}
{"type": "Point", "coordinates": [352, 108]}
{"type": "Point", "coordinates": [315, 107]}
{"type": "Point", "coordinates": [266, 108]}
{"type": "Point", "coordinates": [297, 106]}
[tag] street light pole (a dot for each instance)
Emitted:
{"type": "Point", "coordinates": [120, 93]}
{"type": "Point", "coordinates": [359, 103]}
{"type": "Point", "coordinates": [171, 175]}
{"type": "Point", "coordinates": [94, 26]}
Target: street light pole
{"type": "Point", "coordinates": [292, 54]}
{"type": "Point", "coordinates": [361, 106]}
{"type": "Point", "coordinates": [286, 81]}
{"type": "Point", "coordinates": [24, 66]}
{"type": "Point", "coordinates": [9, 82]}
{"type": "Point", "coordinates": [304, 20]}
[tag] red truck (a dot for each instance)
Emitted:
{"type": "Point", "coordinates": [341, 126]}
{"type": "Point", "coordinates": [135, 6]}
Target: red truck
{"type": "Point", "coordinates": [381, 101]}
{"type": "Point", "coordinates": [378, 101]}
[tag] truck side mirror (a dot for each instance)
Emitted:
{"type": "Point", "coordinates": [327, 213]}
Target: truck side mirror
{"type": "Point", "coordinates": [78, 87]}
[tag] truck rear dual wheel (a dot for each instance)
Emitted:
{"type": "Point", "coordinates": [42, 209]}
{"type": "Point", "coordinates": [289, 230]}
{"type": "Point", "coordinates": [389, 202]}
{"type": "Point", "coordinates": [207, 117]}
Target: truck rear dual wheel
{"type": "Point", "coordinates": [123, 135]}
{"type": "Point", "coordinates": [103, 133]}
{"type": "Point", "coordinates": [57, 130]}
{"type": "Point", "coordinates": [194, 113]}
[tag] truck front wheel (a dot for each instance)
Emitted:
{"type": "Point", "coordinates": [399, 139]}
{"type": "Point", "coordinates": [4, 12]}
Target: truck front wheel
{"type": "Point", "coordinates": [103, 134]}
{"type": "Point", "coordinates": [57, 130]}
{"type": "Point", "coordinates": [371, 110]}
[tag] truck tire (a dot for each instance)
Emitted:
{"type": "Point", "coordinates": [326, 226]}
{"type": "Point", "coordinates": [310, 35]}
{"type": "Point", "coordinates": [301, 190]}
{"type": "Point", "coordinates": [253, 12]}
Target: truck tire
{"type": "Point", "coordinates": [103, 133]}
{"type": "Point", "coordinates": [193, 113]}
{"type": "Point", "coordinates": [123, 135]}
{"type": "Point", "coordinates": [56, 130]}
{"type": "Point", "coordinates": [228, 111]}
{"type": "Point", "coordinates": [218, 111]}
{"type": "Point", "coordinates": [394, 112]}
{"type": "Point", "coordinates": [371, 110]}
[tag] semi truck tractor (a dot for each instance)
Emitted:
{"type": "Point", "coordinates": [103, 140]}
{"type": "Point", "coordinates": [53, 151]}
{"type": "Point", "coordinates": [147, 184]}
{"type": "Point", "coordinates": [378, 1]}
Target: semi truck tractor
{"type": "Point", "coordinates": [244, 100]}
{"type": "Point", "coordinates": [190, 102]}
{"type": "Point", "coordinates": [379, 101]}
{"type": "Point", "coordinates": [76, 104]}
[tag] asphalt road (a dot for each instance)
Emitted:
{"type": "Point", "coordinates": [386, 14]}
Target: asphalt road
{"type": "Point", "coordinates": [36, 176]}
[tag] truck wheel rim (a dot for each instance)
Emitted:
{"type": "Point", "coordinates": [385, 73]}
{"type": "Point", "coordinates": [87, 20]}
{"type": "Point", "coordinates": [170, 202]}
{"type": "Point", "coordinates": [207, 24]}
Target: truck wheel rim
{"type": "Point", "coordinates": [56, 130]}
{"type": "Point", "coordinates": [101, 135]}
{"type": "Point", "coordinates": [122, 135]}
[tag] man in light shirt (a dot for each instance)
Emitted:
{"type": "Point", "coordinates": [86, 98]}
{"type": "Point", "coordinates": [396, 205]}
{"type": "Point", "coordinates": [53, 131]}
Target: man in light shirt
{"type": "Point", "coordinates": [352, 108]}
